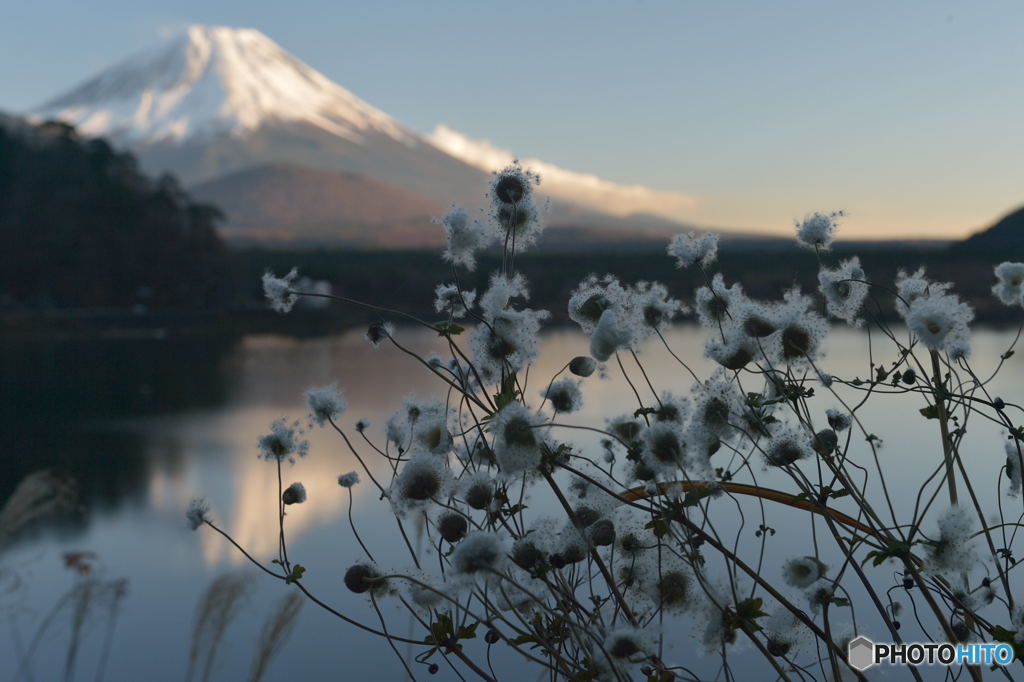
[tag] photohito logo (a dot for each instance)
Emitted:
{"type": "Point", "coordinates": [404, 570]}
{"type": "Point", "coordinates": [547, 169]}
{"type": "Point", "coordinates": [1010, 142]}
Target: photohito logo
{"type": "Point", "coordinates": [863, 653]}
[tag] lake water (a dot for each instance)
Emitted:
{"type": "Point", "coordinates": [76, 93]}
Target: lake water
{"type": "Point", "coordinates": [146, 425]}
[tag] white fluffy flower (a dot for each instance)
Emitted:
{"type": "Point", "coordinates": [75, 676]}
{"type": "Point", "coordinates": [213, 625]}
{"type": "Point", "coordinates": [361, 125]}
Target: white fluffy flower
{"type": "Point", "coordinates": [609, 335]}
{"type": "Point", "coordinates": [564, 395]}
{"type": "Point", "coordinates": [953, 552]}
{"type": "Point", "coordinates": [628, 643]}
{"type": "Point", "coordinates": [512, 207]}
{"type": "Point", "coordinates": [508, 340]}
{"type": "Point", "coordinates": [378, 332]}
{"type": "Point", "coordinates": [278, 290]}
{"type": "Point", "coordinates": [501, 290]}
{"type": "Point", "coordinates": [517, 443]}
{"type": "Point", "coordinates": [508, 337]}
{"type": "Point", "coordinates": [911, 287]}
{"type": "Point", "coordinates": [423, 479]}
{"type": "Point", "coordinates": [801, 331]}
{"type": "Point", "coordinates": [325, 403]}
{"type": "Point", "coordinates": [664, 447]}
{"type": "Point", "coordinates": [940, 321]}
{"type": "Point", "coordinates": [282, 442]}
{"type": "Point", "coordinates": [592, 297]}
{"type": "Point", "coordinates": [197, 513]}
{"type": "Point", "coordinates": [716, 303]}
{"type": "Point", "coordinates": [477, 490]}
{"type": "Point", "coordinates": [844, 289]}
{"type": "Point", "coordinates": [464, 238]}
{"type": "Point", "coordinates": [817, 230]}
{"type": "Point", "coordinates": [294, 494]}
{"type": "Point", "coordinates": [449, 299]}
{"type": "Point", "coordinates": [733, 352]}
{"type": "Point", "coordinates": [1013, 465]}
{"type": "Point", "coordinates": [802, 572]}
{"type": "Point", "coordinates": [1010, 285]}
{"type": "Point", "coordinates": [421, 425]}
{"type": "Point", "coordinates": [668, 582]}
{"type": "Point", "coordinates": [348, 480]}
{"type": "Point", "coordinates": [717, 405]}
{"type": "Point", "coordinates": [787, 445]}
{"type": "Point", "coordinates": [479, 552]}
{"type": "Point", "coordinates": [689, 249]}
{"type": "Point", "coordinates": [839, 421]}
{"type": "Point", "coordinates": [652, 307]}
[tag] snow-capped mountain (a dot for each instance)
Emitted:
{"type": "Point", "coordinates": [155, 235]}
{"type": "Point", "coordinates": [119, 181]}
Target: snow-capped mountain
{"type": "Point", "coordinates": [212, 81]}
{"type": "Point", "coordinates": [217, 100]}
{"type": "Point", "coordinates": [216, 103]}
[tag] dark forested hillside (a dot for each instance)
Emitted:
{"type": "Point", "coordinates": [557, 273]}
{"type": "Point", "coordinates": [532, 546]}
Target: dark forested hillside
{"type": "Point", "coordinates": [82, 227]}
{"type": "Point", "coordinates": [1005, 237]}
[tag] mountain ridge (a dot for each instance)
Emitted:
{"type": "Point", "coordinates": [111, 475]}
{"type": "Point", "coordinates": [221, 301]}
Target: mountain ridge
{"type": "Point", "coordinates": [217, 100]}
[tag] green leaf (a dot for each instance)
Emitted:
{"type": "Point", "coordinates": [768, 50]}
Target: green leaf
{"type": "Point", "coordinates": [297, 572]}
{"type": "Point", "coordinates": [894, 550]}
{"type": "Point", "coordinates": [1001, 634]}
{"type": "Point", "coordinates": [508, 392]}
{"type": "Point", "coordinates": [659, 526]}
{"type": "Point", "coordinates": [693, 497]}
{"type": "Point", "coordinates": [750, 609]}
{"type": "Point", "coordinates": [449, 329]}
{"type": "Point", "coordinates": [467, 631]}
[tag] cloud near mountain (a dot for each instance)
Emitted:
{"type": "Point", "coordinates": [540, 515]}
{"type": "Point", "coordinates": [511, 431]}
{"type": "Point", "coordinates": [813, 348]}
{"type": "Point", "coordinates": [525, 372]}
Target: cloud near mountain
{"type": "Point", "coordinates": [583, 188]}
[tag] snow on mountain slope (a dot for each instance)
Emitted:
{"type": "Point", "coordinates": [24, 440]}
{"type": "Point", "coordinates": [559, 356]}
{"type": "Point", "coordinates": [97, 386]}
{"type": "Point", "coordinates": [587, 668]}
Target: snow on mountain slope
{"type": "Point", "coordinates": [210, 81]}
{"type": "Point", "coordinates": [215, 102]}
{"type": "Point", "coordinates": [584, 188]}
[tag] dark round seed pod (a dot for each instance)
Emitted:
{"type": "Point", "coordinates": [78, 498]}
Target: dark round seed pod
{"type": "Point", "coordinates": [453, 527]}
{"type": "Point", "coordinates": [376, 333]}
{"type": "Point", "coordinates": [602, 533]}
{"type": "Point", "coordinates": [556, 561]}
{"type": "Point", "coordinates": [582, 366]}
{"type": "Point", "coordinates": [586, 516]}
{"type": "Point", "coordinates": [434, 667]}
{"type": "Point", "coordinates": [778, 647]}
{"type": "Point", "coordinates": [509, 189]}
{"type": "Point", "coordinates": [526, 556]}
{"type": "Point", "coordinates": [361, 578]}
{"type": "Point", "coordinates": [624, 647]}
{"type": "Point", "coordinates": [574, 554]}
{"type": "Point", "coordinates": [292, 495]}
{"type": "Point", "coordinates": [519, 431]}
{"type": "Point", "coordinates": [479, 495]}
{"type": "Point", "coordinates": [796, 343]}
{"type": "Point", "coordinates": [738, 360]}
{"type": "Point", "coordinates": [492, 637]}
{"type": "Point", "coordinates": [561, 400]}
{"type": "Point", "coordinates": [593, 307]}
{"type": "Point", "coordinates": [909, 377]}
{"type": "Point", "coordinates": [825, 442]}
{"type": "Point", "coordinates": [627, 430]}
{"type": "Point", "coordinates": [631, 543]}
{"type": "Point", "coordinates": [758, 327]}
{"type": "Point", "coordinates": [422, 486]}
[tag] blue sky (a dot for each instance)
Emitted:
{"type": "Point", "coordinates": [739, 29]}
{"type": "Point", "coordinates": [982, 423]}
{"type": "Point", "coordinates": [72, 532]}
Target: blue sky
{"type": "Point", "coordinates": [908, 115]}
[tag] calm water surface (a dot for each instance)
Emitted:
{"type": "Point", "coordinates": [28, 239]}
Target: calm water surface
{"type": "Point", "coordinates": [146, 425]}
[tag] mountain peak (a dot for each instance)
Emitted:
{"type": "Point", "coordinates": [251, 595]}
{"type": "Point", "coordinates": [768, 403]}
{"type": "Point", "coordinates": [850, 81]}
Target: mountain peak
{"type": "Point", "coordinates": [212, 80]}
